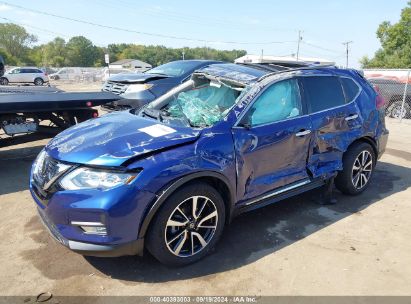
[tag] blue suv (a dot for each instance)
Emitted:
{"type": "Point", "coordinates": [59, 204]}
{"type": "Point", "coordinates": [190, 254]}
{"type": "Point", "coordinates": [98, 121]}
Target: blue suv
{"type": "Point", "coordinates": [170, 176]}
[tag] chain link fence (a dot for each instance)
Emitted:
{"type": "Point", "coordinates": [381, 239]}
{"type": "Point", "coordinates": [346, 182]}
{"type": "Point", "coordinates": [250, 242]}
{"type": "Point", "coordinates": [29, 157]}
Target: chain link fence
{"type": "Point", "coordinates": [395, 87]}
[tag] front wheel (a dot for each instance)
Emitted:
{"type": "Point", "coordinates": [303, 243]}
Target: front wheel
{"type": "Point", "coordinates": [4, 81]}
{"type": "Point", "coordinates": [397, 111]}
{"type": "Point", "coordinates": [38, 82]}
{"type": "Point", "coordinates": [358, 167]}
{"type": "Point", "coordinates": [188, 226]}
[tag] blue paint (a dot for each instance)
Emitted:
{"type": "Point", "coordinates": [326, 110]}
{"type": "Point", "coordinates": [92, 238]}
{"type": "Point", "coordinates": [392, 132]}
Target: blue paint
{"type": "Point", "coordinates": [253, 161]}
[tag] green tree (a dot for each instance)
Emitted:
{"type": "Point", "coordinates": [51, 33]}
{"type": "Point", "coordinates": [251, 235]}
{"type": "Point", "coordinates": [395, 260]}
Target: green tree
{"type": "Point", "coordinates": [15, 40]}
{"type": "Point", "coordinates": [81, 52]}
{"type": "Point", "coordinates": [395, 51]}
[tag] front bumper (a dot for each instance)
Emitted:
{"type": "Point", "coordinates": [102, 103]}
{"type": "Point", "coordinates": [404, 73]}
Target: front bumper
{"type": "Point", "coordinates": [132, 248]}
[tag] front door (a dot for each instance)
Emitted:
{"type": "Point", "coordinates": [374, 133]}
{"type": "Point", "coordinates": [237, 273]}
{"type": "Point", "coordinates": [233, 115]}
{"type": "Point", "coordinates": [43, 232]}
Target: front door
{"type": "Point", "coordinates": [272, 141]}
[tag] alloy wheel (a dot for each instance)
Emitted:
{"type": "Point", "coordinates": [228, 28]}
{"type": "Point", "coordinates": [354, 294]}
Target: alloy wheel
{"type": "Point", "coordinates": [397, 113]}
{"type": "Point", "coordinates": [362, 170]}
{"type": "Point", "coordinates": [191, 226]}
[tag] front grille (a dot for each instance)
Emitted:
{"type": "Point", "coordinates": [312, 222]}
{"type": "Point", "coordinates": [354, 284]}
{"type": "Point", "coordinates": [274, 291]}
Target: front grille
{"type": "Point", "coordinates": [47, 170]}
{"type": "Point", "coordinates": [115, 87]}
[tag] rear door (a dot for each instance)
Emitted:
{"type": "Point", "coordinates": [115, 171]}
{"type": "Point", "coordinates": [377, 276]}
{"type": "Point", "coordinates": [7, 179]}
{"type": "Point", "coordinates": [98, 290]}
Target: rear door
{"type": "Point", "coordinates": [272, 141]}
{"type": "Point", "coordinates": [335, 118]}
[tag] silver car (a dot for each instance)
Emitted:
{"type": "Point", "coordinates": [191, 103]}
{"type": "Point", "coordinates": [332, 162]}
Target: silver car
{"type": "Point", "coordinates": [24, 75]}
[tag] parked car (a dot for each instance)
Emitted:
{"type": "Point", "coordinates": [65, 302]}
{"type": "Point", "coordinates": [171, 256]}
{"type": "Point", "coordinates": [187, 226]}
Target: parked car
{"type": "Point", "coordinates": [74, 74]}
{"type": "Point", "coordinates": [106, 73]}
{"type": "Point", "coordinates": [140, 88]}
{"type": "Point", "coordinates": [2, 65]}
{"type": "Point", "coordinates": [393, 93]}
{"type": "Point", "coordinates": [24, 75]}
{"type": "Point", "coordinates": [170, 176]}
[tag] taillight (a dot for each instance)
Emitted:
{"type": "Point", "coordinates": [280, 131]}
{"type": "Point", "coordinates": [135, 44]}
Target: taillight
{"type": "Point", "coordinates": [379, 100]}
{"type": "Point", "coordinates": [89, 104]}
{"type": "Point", "coordinates": [95, 114]}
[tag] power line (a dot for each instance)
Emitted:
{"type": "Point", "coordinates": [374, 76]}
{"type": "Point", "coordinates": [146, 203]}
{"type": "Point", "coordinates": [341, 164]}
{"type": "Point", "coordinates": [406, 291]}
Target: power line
{"type": "Point", "coordinates": [320, 47]}
{"type": "Point", "coordinates": [34, 27]}
{"type": "Point", "coordinates": [139, 32]}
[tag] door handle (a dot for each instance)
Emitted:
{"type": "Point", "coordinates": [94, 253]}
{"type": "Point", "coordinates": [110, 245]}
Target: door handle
{"type": "Point", "coordinates": [302, 133]}
{"type": "Point", "coordinates": [351, 117]}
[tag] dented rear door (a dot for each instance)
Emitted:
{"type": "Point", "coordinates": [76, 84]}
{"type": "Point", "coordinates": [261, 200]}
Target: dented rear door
{"type": "Point", "coordinates": [336, 123]}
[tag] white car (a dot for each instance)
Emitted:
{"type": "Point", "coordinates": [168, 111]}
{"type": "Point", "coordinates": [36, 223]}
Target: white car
{"type": "Point", "coordinates": [24, 75]}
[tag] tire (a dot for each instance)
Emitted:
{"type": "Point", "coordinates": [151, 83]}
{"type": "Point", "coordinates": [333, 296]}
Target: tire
{"type": "Point", "coordinates": [353, 181]}
{"type": "Point", "coordinates": [395, 110]}
{"type": "Point", "coordinates": [38, 82]}
{"type": "Point", "coordinates": [178, 245]}
{"type": "Point", "coordinates": [4, 81]}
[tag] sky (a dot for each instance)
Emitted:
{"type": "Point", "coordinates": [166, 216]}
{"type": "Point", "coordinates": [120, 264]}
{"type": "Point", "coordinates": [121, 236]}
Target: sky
{"type": "Point", "coordinates": [271, 26]}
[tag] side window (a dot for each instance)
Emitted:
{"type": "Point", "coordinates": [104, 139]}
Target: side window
{"type": "Point", "coordinates": [350, 88]}
{"type": "Point", "coordinates": [323, 92]}
{"type": "Point", "coordinates": [280, 101]}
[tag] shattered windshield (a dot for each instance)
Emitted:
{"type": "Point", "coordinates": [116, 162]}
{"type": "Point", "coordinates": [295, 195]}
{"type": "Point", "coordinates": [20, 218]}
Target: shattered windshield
{"type": "Point", "coordinates": [197, 106]}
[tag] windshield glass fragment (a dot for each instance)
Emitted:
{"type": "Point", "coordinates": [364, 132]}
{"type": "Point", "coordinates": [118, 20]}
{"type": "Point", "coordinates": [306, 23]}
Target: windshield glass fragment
{"type": "Point", "coordinates": [203, 106]}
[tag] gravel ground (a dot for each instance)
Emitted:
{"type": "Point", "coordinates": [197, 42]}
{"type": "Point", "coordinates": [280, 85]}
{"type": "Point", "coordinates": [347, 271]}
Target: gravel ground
{"type": "Point", "coordinates": [359, 246]}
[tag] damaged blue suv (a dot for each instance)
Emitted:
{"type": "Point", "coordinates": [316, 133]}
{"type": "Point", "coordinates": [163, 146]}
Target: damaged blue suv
{"type": "Point", "coordinates": [170, 176]}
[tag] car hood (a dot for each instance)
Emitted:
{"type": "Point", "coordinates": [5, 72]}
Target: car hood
{"type": "Point", "coordinates": [115, 138]}
{"type": "Point", "coordinates": [135, 77]}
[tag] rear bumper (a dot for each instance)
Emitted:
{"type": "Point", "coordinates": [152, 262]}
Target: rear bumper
{"type": "Point", "coordinates": [382, 143]}
{"type": "Point", "coordinates": [132, 248]}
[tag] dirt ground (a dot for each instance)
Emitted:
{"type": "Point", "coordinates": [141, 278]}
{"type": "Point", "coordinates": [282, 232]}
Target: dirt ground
{"type": "Point", "coordinates": [361, 246]}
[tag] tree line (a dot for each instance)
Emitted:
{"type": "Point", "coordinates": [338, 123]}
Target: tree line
{"type": "Point", "coordinates": [395, 39]}
{"type": "Point", "coordinates": [18, 47]}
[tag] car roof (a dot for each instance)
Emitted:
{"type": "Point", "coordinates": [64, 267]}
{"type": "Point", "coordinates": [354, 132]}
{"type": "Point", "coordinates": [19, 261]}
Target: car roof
{"type": "Point", "coordinates": [234, 72]}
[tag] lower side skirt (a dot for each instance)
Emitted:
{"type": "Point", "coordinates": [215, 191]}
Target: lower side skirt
{"type": "Point", "coordinates": [281, 194]}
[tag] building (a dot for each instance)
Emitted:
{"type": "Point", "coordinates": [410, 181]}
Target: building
{"type": "Point", "coordinates": [131, 64]}
{"type": "Point", "coordinates": [282, 59]}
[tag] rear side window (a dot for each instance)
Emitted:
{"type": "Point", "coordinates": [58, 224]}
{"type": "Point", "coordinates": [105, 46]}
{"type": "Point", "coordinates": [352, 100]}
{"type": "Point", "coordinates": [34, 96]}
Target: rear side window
{"type": "Point", "coordinates": [351, 89]}
{"type": "Point", "coordinates": [323, 92]}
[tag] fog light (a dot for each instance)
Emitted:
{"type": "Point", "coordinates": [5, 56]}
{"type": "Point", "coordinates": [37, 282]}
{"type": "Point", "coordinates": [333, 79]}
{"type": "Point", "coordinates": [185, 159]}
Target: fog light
{"type": "Point", "coordinates": [91, 227]}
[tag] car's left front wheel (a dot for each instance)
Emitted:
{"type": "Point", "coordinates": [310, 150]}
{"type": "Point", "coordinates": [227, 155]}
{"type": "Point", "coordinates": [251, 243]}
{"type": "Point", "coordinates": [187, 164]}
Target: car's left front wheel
{"type": "Point", "coordinates": [188, 225]}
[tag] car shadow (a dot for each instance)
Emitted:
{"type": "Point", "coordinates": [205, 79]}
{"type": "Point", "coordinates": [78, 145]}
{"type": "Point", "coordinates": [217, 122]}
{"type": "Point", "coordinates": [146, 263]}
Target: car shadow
{"type": "Point", "coordinates": [262, 232]}
{"type": "Point", "coordinates": [16, 163]}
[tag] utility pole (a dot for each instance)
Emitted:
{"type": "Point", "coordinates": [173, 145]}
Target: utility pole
{"type": "Point", "coordinates": [300, 38]}
{"type": "Point", "coordinates": [347, 49]}
{"type": "Point", "coordinates": [183, 54]}
{"type": "Point", "coordinates": [262, 56]}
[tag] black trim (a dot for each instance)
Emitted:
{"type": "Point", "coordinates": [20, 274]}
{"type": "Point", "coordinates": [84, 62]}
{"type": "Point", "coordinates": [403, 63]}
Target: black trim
{"type": "Point", "coordinates": [161, 198]}
{"type": "Point", "coordinates": [316, 183]}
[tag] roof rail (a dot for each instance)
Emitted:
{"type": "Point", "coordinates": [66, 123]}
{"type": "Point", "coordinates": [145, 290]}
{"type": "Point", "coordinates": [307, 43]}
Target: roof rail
{"type": "Point", "coordinates": [312, 67]}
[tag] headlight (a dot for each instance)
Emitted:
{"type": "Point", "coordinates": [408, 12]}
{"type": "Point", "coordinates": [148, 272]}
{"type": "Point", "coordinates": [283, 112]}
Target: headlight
{"type": "Point", "coordinates": [86, 178]}
{"type": "Point", "coordinates": [134, 88]}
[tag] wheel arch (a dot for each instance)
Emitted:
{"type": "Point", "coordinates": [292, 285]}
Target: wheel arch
{"type": "Point", "coordinates": [366, 139]}
{"type": "Point", "coordinates": [214, 179]}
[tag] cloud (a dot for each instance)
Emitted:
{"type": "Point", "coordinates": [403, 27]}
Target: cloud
{"type": "Point", "coordinates": [4, 7]}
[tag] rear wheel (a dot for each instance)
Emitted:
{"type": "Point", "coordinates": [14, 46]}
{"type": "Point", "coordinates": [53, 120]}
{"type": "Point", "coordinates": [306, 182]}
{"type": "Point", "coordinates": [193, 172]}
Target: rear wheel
{"type": "Point", "coordinates": [38, 82]}
{"type": "Point", "coordinates": [358, 167]}
{"type": "Point", "coordinates": [188, 226]}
